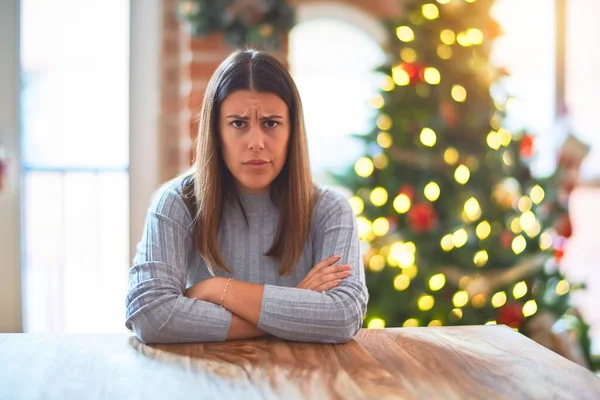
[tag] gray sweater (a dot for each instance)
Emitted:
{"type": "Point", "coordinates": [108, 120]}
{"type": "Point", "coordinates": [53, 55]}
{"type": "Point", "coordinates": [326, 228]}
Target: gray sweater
{"type": "Point", "coordinates": [167, 263]}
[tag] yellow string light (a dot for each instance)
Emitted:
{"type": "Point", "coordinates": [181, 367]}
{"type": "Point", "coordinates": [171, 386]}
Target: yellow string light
{"type": "Point", "coordinates": [519, 244]}
{"type": "Point", "coordinates": [364, 167]}
{"type": "Point", "coordinates": [384, 122]}
{"type": "Point", "coordinates": [432, 191]}
{"type": "Point", "coordinates": [379, 196]}
{"type": "Point", "coordinates": [529, 308]}
{"type": "Point", "coordinates": [408, 55]}
{"type": "Point", "coordinates": [537, 194]}
{"type": "Point", "coordinates": [364, 227]}
{"type": "Point", "coordinates": [515, 225]}
{"type": "Point", "coordinates": [451, 156]}
{"type": "Point", "coordinates": [437, 282]}
{"type": "Point", "coordinates": [463, 39]}
{"type": "Point", "coordinates": [444, 52]}
{"type": "Point", "coordinates": [384, 139]}
{"type": "Point", "coordinates": [447, 242]}
{"type": "Point", "coordinates": [462, 174]}
{"type": "Point", "coordinates": [447, 37]}
{"type": "Point", "coordinates": [435, 322]}
{"type": "Point", "coordinates": [483, 230]}
{"type": "Point", "coordinates": [493, 141]}
{"type": "Point", "coordinates": [472, 209]}
{"type": "Point", "coordinates": [376, 323]}
{"type": "Point", "coordinates": [377, 101]}
{"type": "Point", "coordinates": [562, 287]}
{"type": "Point", "coordinates": [381, 226]}
{"type": "Point", "coordinates": [480, 258]}
{"type": "Point", "coordinates": [519, 290]}
{"type": "Point", "coordinates": [405, 34]}
{"type": "Point", "coordinates": [504, 136]}
{"type": "Point", "coordinates": [428, 137]}
{"type": "Point", "coordinates": [400, 76]}
{"type": "Point", "coordinates": [458, 93]}
{"type": "Point", "coordinates": [491, 323]}
{"type": "Point", "coordinates": [411, 271]}
{"type": "Point", "coordinates": [387, 84]}
{"type": "Point", "coordinates": [545, 241]}
{"type": "Point", "coordinates": [380, 161]}
{"type": "Point", "coordinates": [475, 36]}
{"type": "Point", "coordinates": [456, 314]}
{"type": "Point", "coordinates": [402, 203]}
{"type": "Point", "coordinates": [430, 11]}
{"type": "Point", "coordinates": [534, 230]}
{"type": "Point", "coordinates": [443, 1]}
{"type": "Point", "coordinates": [411, 323]}
{"type": "Point", "coordinates": [401, 282]}
{"type": "Point", "coordinates": [410, 247]}
{"type": "Point", "coordinates": [460, 238]}
{"type": "Point", "coordinates": [499, 299]}
{"type": "Point", "coordinates": [357, 204]}
{"type": "Point", "coordinates": [527, 220]}
{"type": "Point", "coordinates": [432, 76]}
{"type": "Point", "coordinates": [460, 298]}
{"type": "Point", "coordinates": [425, 302]}
{"type": "Point", "coordinates": [525, 204]}
{"type": "Point", "coordinates": [377, 263]}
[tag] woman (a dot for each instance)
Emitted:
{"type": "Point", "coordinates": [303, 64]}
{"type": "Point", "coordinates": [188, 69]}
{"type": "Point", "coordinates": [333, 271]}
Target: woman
{"type": "Point", "coordinates": [245, 244]}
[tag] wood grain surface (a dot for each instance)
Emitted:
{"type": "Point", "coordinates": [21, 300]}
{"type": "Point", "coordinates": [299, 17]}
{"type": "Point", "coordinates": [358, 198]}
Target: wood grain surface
{"type": "Point", "coordinates": [479, 362]}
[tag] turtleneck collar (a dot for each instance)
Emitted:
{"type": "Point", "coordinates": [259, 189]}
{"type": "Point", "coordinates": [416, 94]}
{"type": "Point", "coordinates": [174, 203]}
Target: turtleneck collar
{"type": "Point", "coordinates": [255, 202]}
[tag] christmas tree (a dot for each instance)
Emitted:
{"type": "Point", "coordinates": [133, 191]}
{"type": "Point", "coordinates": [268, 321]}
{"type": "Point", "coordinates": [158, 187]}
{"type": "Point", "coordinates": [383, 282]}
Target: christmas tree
{"type": "Point", "coordinates": [456, 230]}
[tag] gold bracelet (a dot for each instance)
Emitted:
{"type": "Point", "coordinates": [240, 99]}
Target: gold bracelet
{"type": "Point", "coordinates": [225, 291]}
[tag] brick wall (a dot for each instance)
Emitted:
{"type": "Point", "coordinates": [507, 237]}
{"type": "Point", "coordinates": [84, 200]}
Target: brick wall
{"type": "Point", "coordinates": [187, 65]}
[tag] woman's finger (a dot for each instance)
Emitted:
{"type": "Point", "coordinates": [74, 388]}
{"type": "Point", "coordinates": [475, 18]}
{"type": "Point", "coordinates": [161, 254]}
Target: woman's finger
{"type": "Point", "coordinates": [327, 285]}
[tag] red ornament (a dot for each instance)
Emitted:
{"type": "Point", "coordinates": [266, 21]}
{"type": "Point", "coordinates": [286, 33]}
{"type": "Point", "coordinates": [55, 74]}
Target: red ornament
{"type": "Point", "coordinates": [422, 217]}
{"type": "Point", "coordinates": [506, 239]}
{"type": "Point", "coordinates": [563, 226]}
{"type": "Point", "coordinates": [415, 71]}
{"type": "Point", "coordinates": [408, 191]}
{"type": "Point", "coordinates": [527, 146]}
{"type": "Point", "coordinates": [560, 243]}
{"type": "Point", "coordinates": [510, 314]}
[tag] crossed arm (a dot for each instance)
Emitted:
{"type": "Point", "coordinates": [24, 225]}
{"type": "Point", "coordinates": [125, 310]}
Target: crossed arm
{"type": "Point", "coordinates": [244, 299]}
{"type": "Point", "coordinates": [160, 309]}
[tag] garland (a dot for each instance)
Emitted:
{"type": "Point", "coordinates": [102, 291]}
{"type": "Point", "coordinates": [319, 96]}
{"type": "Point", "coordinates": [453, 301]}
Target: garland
{"type": "Point", "coordinates": [257, 23]}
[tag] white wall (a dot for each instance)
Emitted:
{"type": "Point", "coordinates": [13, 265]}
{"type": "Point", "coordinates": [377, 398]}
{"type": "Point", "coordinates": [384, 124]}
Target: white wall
{"type": "Point", "coordinates": [10, 276]}
{"type": "Point", "coordinates": [144, 109]}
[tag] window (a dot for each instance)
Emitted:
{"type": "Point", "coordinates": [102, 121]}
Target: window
{"type": "Point", "coordinates": [75, 146]}
{"type": "Point", "coordinates": [333, 62]}
{"type": "Point", "coordinates": [529, 54]}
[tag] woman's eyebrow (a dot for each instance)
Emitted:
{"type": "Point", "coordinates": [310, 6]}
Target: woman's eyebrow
{"type": "Point", "coordinates": [245, 117]}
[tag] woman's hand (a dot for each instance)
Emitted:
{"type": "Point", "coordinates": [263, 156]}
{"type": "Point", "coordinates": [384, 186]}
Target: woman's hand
{"type": "Point", "coordinates": [325, 275]}
{"type": "Point", "coordinates": [207, 290]}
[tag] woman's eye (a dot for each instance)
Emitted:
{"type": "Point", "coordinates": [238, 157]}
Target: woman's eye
{"type": "Point", "coordinates": [271, 124]}
{"type": "Point", "coordinates": [238, 124]}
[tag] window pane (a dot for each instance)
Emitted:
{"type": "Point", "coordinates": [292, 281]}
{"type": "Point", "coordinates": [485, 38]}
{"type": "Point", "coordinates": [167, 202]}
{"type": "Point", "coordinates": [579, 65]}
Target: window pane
{"type": "Point", "coordinates": [74, 101]}
{"type": "Point", "coordinates": [333, 65]}
{"type": "Point", "coordinates": [76, 252]}
{"type": "Point", "coordinates": [529, 55]}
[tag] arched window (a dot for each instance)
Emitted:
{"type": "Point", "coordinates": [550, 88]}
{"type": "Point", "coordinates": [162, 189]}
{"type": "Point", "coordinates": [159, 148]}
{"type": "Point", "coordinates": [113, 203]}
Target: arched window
{"type": "Point", "coordinates": [333, 51]}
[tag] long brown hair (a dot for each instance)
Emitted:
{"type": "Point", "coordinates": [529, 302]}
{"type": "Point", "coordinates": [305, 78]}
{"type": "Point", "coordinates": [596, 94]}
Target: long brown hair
{"type": "Point", "coordinates": [211, 183]}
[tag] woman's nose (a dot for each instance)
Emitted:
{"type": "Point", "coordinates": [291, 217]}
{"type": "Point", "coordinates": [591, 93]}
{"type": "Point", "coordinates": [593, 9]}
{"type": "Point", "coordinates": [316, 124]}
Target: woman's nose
{"type": "Point", "coordinates": [256, 139]}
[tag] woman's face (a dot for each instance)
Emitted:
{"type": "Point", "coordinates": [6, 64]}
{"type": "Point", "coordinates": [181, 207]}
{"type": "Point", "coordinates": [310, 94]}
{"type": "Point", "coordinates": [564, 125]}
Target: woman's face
{"type": "Point", "coordinates": [254, 128]}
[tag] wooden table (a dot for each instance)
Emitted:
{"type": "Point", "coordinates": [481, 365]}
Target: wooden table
{"type": "Point", "coordinates": [486, 362]}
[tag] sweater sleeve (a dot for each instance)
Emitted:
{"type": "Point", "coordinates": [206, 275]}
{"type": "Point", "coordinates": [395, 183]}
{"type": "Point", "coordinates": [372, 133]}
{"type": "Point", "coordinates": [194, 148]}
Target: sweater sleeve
{"type": "Point", "coordinates": [156, 307]}
{"type": "Point", "coordinates": [334, 316]}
